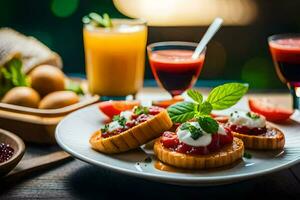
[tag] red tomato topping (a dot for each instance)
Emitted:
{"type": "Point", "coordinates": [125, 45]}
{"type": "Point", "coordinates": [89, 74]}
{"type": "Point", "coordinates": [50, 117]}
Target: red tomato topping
{"type": "Point", "coordinates": [184, 148]}
{"type": "Point", "coordinates": [271, 111]}
{"type": "Point", "coordinates": [111, 108]}
{"type": "Point", "coordinates": [154, 110]}
{"type": "Point", "coordinates": [248, 131]}
{"type": "Point", "coordinates": [170, 140]}
{"type": "Point", "coordinates": [228, 138]}
{"type": "Point", "coordinates": [142, 118]}
{"type": "Point", "coordinates": [135, 120]}
{"type": "Point", "coordinates": [215, 143]}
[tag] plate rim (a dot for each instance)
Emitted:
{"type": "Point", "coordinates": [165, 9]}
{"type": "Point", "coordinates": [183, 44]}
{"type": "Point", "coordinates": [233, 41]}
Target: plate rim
{"type": "Point", "coordinates": [161, 177]}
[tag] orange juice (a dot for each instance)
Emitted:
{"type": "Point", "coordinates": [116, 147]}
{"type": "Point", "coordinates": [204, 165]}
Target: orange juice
{"type": "Point", "coordinates": [115, 57]}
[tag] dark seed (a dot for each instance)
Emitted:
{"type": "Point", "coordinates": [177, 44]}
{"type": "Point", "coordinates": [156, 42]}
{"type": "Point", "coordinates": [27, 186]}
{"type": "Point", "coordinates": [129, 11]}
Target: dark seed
{"type": "Point", "coordinates": [148, 160]}
{"type": "Point", "coordinates": [6, 152]}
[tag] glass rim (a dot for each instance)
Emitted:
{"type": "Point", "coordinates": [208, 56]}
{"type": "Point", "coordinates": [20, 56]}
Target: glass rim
{"type": "Point", "coordinates": [173, 43]}
{"type": "Point", "coordinates": [132, 21]}
{"type": "Point", "coordinates": [283, 35]}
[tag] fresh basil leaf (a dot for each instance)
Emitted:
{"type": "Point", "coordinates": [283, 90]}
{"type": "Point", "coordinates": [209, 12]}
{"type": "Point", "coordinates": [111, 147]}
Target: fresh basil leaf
{"type": "Point", "coordinates": [181, 111]}
{"type": "Point", "coordinates": [205, 108]}
{"type": "Point", "coordinates": [208, 124]}
{"type": "Point", "coordinates": [195, 95]}
{"type": "Point", "coordinates": [185, 126]}
{"type": "Point", "coordinates": [226, 95]}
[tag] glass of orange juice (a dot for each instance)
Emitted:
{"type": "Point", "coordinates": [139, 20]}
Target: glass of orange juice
{"type": "Point", "coordinates": [115, 57]}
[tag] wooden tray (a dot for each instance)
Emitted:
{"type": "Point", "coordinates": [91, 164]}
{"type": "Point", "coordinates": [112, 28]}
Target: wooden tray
{"type": "Point", "coordinates": [37, 125]}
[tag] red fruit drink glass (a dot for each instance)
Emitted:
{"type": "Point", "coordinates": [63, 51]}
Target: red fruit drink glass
{"type": "Point", "coordinates": [285, 50]}
{"type": "Point", "coordinates": [173, 66]}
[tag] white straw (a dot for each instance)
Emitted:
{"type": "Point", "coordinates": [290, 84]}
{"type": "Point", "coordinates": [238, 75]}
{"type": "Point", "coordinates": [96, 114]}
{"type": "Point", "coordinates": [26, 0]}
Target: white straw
{"type": "Point", "coordinates": [211, 31]}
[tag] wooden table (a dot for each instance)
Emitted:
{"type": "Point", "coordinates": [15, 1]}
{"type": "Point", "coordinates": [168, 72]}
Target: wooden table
{"type": "Point", "coordinates": [78, 180]}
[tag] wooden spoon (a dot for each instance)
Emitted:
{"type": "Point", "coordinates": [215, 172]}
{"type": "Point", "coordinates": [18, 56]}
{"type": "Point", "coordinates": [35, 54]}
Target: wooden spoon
{"type": "Point", "coordinates": [28, 166]}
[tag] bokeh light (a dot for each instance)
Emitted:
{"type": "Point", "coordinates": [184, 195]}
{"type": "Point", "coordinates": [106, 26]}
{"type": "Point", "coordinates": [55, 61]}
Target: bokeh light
{"type": "Point", "coordinates": [258, 72]}
{"type": "Point", "coordinates": [189, 13]}
{"type": "Point", "coordinates": [64, 8]}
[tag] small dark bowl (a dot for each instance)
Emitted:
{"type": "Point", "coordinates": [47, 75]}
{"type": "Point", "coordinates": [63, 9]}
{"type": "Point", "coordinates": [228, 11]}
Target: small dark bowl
{"type": "Point", "coordinates": [19, 148]}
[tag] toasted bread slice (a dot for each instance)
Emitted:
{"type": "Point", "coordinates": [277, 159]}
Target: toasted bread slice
{"type": "Point", "coordinates": [227, 155]}
{"type": "Point", "coordinates": [134, 137]}
{"type": "Point", "coordinates": [272, 140]}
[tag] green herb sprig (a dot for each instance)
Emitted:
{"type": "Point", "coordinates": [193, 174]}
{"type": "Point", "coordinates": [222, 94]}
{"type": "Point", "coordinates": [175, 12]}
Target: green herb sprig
{"type": "Point", "coordinates": [138, 110]}
{"type": "Point", "coordinates": [97, 20]}
{"type": "Point", "coordinates": [11, 75]}
{"type": "Point", "coordinates": [195, 132]}
{"type": "Point", "coordinates": [247, 155]}
{"type": "Point", "coordinates": [120, 120]}
{"type": "Point", "coordinates": [221, 97]}
{"type": "Point", "coordinates": [74, 87]}
{"type": "Point", "coordinates": [253, 115]}
{"type": "Point", "coordinates": [105, 128]}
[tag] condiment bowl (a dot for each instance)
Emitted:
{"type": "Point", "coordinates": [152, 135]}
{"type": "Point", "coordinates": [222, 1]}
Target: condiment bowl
{"type": "Point", "coordinates": [19, 148]}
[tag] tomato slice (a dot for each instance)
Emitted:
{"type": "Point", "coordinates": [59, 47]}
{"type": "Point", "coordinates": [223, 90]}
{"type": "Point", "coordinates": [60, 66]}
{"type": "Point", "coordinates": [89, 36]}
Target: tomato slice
{"type": "Point", "coordinates": [271, 111]}
{"type": "Point", "coordinates": [220, 118]}
{"type": "Point", "coordinates": [167, 103]}
{"type": "Point", "coordinates": [170, 139]}
{"type": "Point", "coordinates": [111, 108]}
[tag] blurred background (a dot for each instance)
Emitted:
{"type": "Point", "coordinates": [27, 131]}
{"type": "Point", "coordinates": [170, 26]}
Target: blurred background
{"type": "Point", "coordinates": [238, 52]}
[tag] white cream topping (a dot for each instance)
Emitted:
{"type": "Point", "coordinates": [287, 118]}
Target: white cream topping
{"type": "Point", "coordinates": [113, 126]}
{"type": "Point", "coordinates": [126, 114]}
{"type": "Point", "coordinates": [221, 130]}
{"type": "Point", "coordinates": [242, 119]}
{"type": "Point", "coordinates": [185, 137]}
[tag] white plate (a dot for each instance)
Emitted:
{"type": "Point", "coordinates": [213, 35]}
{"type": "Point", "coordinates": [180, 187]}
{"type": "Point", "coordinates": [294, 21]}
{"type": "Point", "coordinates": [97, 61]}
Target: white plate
{"type": "Point", "coordinates": [74, 131]}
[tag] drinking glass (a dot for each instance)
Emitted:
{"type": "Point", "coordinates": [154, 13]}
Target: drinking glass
{"type": "Point", "coordinates": [115, 58]}
{"type": "Point", "coordinates": [173, 66]}
{"type": "Point", "coordinates": [285, 50]}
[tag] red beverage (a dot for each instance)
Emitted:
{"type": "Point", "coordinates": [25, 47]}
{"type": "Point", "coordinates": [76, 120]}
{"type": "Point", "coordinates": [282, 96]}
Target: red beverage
{"type": "Point", "coordinates": [175, 69]}
{"type": "Point", "coordinates": [286, 56]}
{"type": "Point", "coordinates": [285, 49]}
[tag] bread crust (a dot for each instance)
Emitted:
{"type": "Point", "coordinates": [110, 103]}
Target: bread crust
{"type": "Point", "coordinates": [227, 155]}
{"type": "Point", "coordinates": [133, 137]}
{"type": "Point", "coordinates": [263, 142]}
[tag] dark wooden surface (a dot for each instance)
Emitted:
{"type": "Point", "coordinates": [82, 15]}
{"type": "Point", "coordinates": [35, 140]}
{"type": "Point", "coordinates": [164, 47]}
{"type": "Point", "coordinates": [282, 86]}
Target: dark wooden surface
{"type": "Point", "coordinates": [78, 180]}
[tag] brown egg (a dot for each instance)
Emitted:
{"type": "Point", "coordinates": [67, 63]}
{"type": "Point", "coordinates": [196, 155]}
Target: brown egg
{"type": "Point", "coordinates": [58, 99]}
{"type": "Point", "coordinates": [22, 96]}
{"type": "Point", "coordinates": [46, 79]}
